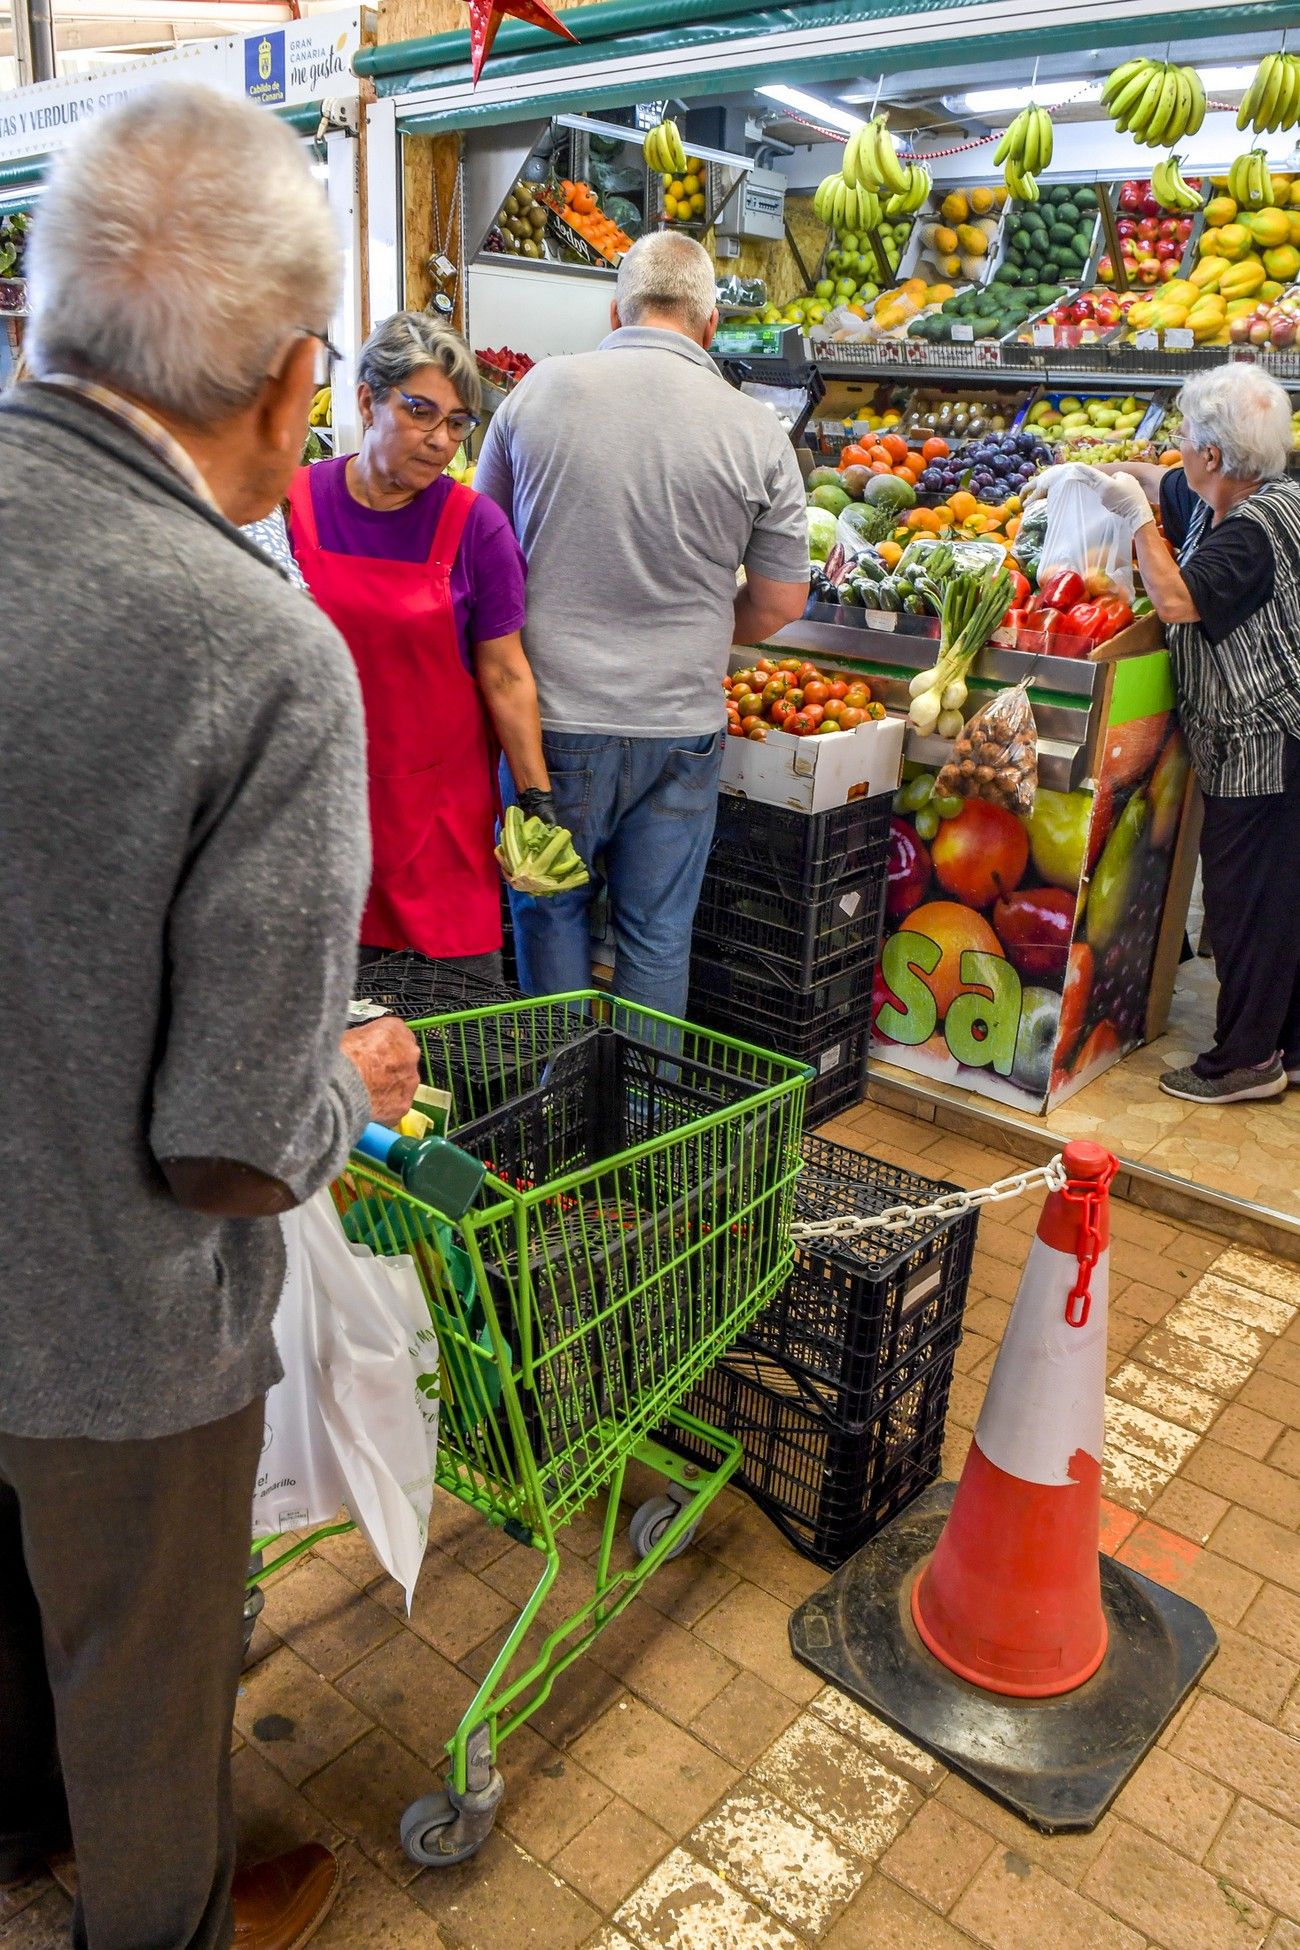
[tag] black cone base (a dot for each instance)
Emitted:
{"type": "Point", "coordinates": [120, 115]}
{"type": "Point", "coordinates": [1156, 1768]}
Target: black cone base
{"type": "Point", "coordinates": [1059, 1763]}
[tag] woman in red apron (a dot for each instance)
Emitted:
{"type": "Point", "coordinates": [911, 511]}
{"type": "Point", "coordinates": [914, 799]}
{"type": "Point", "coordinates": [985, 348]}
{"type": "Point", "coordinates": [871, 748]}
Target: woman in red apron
{"type": "Point", "coordinates": [425, 582]}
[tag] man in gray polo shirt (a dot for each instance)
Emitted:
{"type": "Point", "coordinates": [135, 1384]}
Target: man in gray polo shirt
{"type": "Point", "coordinates": [184, 857]}
{"type": "Point", "coordinates": [639, 482]}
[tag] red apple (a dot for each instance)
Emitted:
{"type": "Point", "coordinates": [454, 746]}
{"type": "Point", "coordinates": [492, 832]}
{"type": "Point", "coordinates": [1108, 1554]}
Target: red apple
{"type": "Point", "coordinates": [1150, 204]}
{"type": "Point", "coordinates": [1127, 226]}
{"type": "Point", "coordinates": [1148, 270]}
{"type": "Point", "coordinates": [1148, 230]}
{"type": "Point", "coordinates": [1169, 270]}
{"type": "Point", "coordinates": [1260, 333]}
{"type": "Point", "coordinates": [1131, 195]}
{"type": "Point", "coordinates": [907, 872]}
{"type": "Point", "coordinates": [1168, 247]}
{"type": "Point", "coordinates": [1034, 925]}
{"type": "Point", "coordinates": [1106, 271]}
{"type": "Point", "coordinates": [981, 853]}
{"type": "Point", "coordinates": [1169, 228]}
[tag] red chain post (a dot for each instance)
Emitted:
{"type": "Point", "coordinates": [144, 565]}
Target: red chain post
{"type": "Point", "coordinates": [1087, 1194]}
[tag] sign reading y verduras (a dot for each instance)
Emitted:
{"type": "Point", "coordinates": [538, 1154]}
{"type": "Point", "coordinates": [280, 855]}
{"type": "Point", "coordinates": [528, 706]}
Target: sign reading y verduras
{"type": "Point", "coordinates": [299, 62]}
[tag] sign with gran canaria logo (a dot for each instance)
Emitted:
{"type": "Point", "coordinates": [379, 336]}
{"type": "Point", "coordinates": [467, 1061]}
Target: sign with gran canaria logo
{"type": "Point", "coordinates": [264, 67]}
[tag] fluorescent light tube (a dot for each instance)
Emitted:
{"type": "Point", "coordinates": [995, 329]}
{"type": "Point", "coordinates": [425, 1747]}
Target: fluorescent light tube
{"type": "Point", "coordinates": [817, 111]}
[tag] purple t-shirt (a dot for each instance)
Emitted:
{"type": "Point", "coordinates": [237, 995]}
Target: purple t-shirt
{"type": "Point", "coordinates": [487, 577]}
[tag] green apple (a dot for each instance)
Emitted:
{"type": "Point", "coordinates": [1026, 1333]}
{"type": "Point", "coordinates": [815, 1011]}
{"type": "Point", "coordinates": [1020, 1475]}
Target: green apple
{"type": "Point", "coordinates": [845, 287]}
{"type": "Point", "coordinates": [815, 314]}
{"type": "Point", "coordinates": [1058, 835]}
{"type": "Point", "coordinates": [824, 288]}
{"type": "Point", "coordinates": [848, 240]}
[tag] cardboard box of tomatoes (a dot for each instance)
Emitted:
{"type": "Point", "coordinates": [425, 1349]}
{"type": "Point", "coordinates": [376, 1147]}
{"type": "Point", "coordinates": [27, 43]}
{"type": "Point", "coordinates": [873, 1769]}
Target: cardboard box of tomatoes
{"type": "Point", "coordinates": [843, 745]}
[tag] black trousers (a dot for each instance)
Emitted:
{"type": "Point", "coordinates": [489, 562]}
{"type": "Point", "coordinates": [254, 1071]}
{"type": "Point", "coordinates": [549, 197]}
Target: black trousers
{"type": "Point", "coordinates": [1250, 871]}
{"type": "Point", "coordinates": [122, 1568]}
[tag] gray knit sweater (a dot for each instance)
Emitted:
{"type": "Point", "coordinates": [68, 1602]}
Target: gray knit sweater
{"type": "Point", "coordinates": [183, 858]}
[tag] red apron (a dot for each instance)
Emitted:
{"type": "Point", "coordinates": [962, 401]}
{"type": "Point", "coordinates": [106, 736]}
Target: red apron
{"type": "Point", "coordinates": [431, 757]}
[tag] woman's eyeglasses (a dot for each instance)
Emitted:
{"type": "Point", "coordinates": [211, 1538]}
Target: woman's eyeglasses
{"type": "Point", "coordinates": [425, 415]}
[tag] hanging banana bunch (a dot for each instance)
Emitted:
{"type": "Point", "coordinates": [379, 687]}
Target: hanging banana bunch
{"type": "Point", "coordinates": [1024, 151]}
{"type": "Point", "coordinates": [843, 206]}
{"type": "Point", "coordinates": [1169, 188]}
{"type": "Point", "coordinates": [1156, 102]}
{"type": "Point", "coordinates": [906, 203]}
{"type": "Point", "coordinates": [1249, 183]}
{"type": "Point", "coordinates": [1272, 100]}
{"type": "Point", "coordinates": [665, 152]}
{"type": "Point", "coordinates": [871, 161]}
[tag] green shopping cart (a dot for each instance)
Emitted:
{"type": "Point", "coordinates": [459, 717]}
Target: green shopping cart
{"type": "Point", "coordinates": [634, 1218]}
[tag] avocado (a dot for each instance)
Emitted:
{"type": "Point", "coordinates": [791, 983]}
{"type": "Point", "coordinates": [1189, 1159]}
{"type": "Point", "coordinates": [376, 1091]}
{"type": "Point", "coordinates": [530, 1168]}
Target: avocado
{"type": "Point", "coordinates": [1050, 272]}
{"type": "Point", "coordinates": [985, 325]}
{"type": "Point", "coordinates": [1044, 293]}
{"type": "Point", "coordinates": [1085, 199]}
{"type": "Point", "coordinates": [1060, 233]}
{"type": "Point", "coordinates": [1007, 274]}
{"type": "Point", "coordinates": [1021, 239]}
{"type": "Point", "coordinates": [1083, 243]}
{"type": "Point", "coordinates": [1067, 213]}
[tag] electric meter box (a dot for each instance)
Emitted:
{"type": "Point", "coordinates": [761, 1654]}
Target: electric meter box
{"type": "Point", "coordinates": [758, 207]}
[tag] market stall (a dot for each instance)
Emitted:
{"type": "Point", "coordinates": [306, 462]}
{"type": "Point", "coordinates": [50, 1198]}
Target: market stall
{"type": "Point", "coordinates": [949, 253]}
{"type": "Point", "coordinates": [301, 72]}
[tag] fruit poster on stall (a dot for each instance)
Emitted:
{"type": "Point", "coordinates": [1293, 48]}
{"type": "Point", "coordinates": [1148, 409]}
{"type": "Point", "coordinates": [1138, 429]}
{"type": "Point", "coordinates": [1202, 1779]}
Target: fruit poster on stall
{"type": "Point", "coordinates": [1018, 950]}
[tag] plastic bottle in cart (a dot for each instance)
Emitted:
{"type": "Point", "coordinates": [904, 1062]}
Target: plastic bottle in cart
{"type": "Point", "coordinates": [431, 1169]}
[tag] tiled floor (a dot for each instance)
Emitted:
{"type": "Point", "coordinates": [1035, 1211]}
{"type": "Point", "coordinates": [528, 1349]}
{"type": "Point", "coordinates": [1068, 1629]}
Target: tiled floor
{"type": "Point", "coordinates": [1245, 1151]}
{"type": "Point", "coordinates": [689, 1787]}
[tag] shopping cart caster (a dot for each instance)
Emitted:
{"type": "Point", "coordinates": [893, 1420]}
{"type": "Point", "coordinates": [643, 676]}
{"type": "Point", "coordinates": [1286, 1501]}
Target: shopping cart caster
{"type": "Point", "coordinates": [650, 1521]}
{"type": "Point", "coordinates": [254, 1599]}
{"type": "Point", "coordinates": [442, 1829]}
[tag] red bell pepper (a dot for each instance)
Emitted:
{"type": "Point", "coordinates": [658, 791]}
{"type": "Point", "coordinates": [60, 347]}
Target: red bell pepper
{"type": "Point", "coordinates": [1064, 589]}
{"type": "Point", "coordinates": [1116, 617]}
{"type": "Point", "coordinates": [1019, 588]}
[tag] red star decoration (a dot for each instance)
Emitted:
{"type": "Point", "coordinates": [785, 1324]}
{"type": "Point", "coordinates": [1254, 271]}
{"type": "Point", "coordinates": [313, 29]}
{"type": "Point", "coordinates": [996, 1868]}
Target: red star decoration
{"type": "Point", "coordinates": [485, 16]}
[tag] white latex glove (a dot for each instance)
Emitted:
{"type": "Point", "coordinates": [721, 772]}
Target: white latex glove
{"type": "Point", "coordinates": [1051, 477]}
{"type": "Point", "coordinates": [1122, 496]}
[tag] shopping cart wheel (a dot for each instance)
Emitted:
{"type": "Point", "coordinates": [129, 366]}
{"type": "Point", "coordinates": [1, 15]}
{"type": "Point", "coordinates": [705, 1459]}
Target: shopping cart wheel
{"type": "Point", "coordinates": [438, 1832]}
{"type": "Point", "coordinates": [650, 1521]}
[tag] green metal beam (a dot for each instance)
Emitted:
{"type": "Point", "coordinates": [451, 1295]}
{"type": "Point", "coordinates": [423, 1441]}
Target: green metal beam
{"type": "Point", "coordinates": [441, 61]}
{"type": "Point", "coordinates": [303, 118]}
{"type": "Point", "coordinates": [26, 173]}
{"type": "Point", "coordinates": [601, 22]}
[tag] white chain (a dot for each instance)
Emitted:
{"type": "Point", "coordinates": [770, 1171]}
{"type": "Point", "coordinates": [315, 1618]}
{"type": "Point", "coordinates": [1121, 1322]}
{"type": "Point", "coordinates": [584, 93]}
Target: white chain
{"type": "Point", "coordinates": [901, 1218]}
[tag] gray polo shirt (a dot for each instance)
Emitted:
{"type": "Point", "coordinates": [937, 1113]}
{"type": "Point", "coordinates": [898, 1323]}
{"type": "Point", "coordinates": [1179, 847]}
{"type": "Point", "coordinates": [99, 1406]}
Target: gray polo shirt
{"type": "Point", "coordinates": [638, 482]}
{"type": "Point", "coordinates": [183, 859]}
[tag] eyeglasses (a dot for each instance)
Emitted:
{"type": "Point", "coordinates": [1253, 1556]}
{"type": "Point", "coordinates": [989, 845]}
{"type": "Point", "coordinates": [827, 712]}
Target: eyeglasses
{"type": "Point", "coordinates": [425, 415]}
{"type": "Point", "coordinates": [330, 353]}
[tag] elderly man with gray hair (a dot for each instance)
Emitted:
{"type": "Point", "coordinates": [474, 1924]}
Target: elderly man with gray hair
{"type": "Point", "coordinates": [639, 483]}
{"type": "Point", "coordinates": [1225, 580]}
{"type": "Point", "coordinates": [182, 797]}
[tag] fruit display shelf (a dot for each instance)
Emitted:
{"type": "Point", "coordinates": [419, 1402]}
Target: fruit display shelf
{"type": "Point", "coordinates": [1065, 367]}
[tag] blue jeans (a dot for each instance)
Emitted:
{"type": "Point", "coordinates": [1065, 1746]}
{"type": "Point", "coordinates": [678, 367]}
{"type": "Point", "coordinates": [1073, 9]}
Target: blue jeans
{"type": "Point", "coordinates": [641, 811]}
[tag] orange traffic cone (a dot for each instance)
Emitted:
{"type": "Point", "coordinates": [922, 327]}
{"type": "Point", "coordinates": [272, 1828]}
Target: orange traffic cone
{"type": "Point", "coordinates": [1011, 1598]}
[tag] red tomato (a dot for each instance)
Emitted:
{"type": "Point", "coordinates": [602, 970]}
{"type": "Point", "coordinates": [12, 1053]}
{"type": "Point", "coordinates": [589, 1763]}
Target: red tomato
{"type": "Point", "coordinates": [815, 691]}
{"type": "Point", "coordinates": [837, 687]}
{"type": "Point", "coordinates": [794, 698]}
{"type": "Point", "coordinates": [780, 711]}
{"type": "Point", "coordinates": [813, 713]}
{"type": "Point", "coordinates": [735, 729]}
{"type": "Point", "coordinates": [833, 710]}
{"type": "Point", "coordinates": [807, 670]}
{"type": "Point", "coordinates": [757, 732]}
{"type": "Point", "coordinates": [799, 724]}
{"type": "Point", "coordinates": [851, 717]}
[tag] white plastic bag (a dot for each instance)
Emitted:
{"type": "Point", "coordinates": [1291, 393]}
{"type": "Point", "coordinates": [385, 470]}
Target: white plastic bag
{"type": "Point", "coordinates": [298, 1479]}
{"type": "Point", "coordinates": [1084, 536]}
{"type": "Point", "coordinates": [365, 1354]}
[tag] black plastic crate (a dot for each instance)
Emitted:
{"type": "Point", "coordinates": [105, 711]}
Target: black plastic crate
{"type": "Point", "coordinates": [827, 1485]}
{"type": "Point", "coordinates": [857, 1312]}
{"type": "Point", "coordinates": [827, 1026]}
{"type": "Point", "coordinates": [815, 918]}
{"type": "Point", "coordinates": [840, 1075]}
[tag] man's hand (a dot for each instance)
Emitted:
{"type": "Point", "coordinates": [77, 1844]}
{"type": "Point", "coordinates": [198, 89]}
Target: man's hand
{"type": "Point", "coordinates": [388, 1058]}
{"type": "Point", "coordinates": [538, 802]}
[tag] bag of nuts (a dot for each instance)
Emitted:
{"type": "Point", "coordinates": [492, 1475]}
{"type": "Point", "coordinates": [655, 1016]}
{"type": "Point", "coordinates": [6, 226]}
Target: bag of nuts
{"type": "Point", "coordinates": [995, 755]}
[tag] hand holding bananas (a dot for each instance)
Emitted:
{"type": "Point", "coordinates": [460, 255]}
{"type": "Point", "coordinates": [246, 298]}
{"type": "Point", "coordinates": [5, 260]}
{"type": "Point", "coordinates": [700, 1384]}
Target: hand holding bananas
{"type": "Point", "coordinates": [872, 183]}
{"type": "Point", "coordinates": [536, 857]}
{"type": "Point", "coordinates": [1272, 100]}
{"type": "Point", "coordinates": [974, 603]}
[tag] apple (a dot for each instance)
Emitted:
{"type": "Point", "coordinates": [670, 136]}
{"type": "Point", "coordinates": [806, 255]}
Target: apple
{"type": "Point", "coordinates": [907, 871]}
{"type": "Point", "coordinates": [980, 853]}
{"type": "Point", "coordinates": [1282, 332]}
{"type": "Point", "coordinates": [1170, 228]}
{"type": "Point", "coordinates": [1040, 1012]}
{"type": "Point", "coordinates": [1148, 230]}
{"type": "Point", "coordinates": [1106, 270]}
{"type": "Point", "coordinates": [1260, 333]}
{"type": "Point", "coordinates": [1131, 195]}
{"type": "Point", "coordinates": [1075, 998]}
{"type": "Point", "coordinates": [1168, 249]}
{"type": "Point", "coordinates": [1126, 227]}
{"type": "Point", "coordinates": [954, 930]}
{"type": "Point", "coordinates": [1058, 835]}
{"type": "Point", "coordinates": [1034, 925]}
{"type": "Point", "coordinates": [1150, 205]}
{"type": "Point", "coordinates": [1239, 331]}
{"type": "Point", "coordinates": [1148, 270]}
{"type": "Point", "coordinates": [1169, 270]}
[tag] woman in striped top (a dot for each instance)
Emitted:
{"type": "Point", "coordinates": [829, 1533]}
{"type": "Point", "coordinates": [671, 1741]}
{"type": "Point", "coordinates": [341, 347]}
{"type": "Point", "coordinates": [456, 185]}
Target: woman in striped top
{"type": "Point", "coordinates": [1225, 581]}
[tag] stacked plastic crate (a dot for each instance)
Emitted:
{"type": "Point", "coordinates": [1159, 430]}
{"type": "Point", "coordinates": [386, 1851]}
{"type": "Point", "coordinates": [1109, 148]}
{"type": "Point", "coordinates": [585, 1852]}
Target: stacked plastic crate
{"type": "Point", "coordinates": [839, 1391]}
{"type": "Point", "coordinates": [787, 934]}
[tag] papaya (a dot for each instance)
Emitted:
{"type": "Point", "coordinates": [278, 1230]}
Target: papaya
{"type": "Point", "coordinates": [972, 240]}
{"type": "Point", "coordinates": [1166, 315]}
{"type": "Point", "coordinates": [1179, 290]}
{"type": "Point", "coordinates": [1236, 240]}
{"type": "Point", "coordinates": [1209, 271]}
{"type": "Point", "coordinates": [981, 201]}
{"type": "Point", "coordinates": [1270, 289]}
{"type": "Point", "coordinates": [1219, 210]}
{"type": "Point", "coordinates": [1241, 280]}
{"type": "Point", "coordinates": [1281, 190]}
{"type": "Point", "coordinates": [1208, 243]}
{"type": "Point", "coordinates": [945, 240]}
{"type": "Point", "coordinates": [1283, 262]}
{"type": "Point", "coordinates": [954, 209]}
{"type": "Point", "coordinates": [1240, 307]}
{"type": "Point", "coordinates": [1267, 228]}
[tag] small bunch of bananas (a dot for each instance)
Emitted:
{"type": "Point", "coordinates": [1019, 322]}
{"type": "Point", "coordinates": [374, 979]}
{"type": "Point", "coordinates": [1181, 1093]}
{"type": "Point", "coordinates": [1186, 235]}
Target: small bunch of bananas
{"type": "Point", "coordinates": [1169, 188]}
{"type": "Point", "coordinates": [1272, 100]}
{"type": "Point", "coordinates": [1156, 102]}
{"type": "Point", "coordinates": [322, 408]}
{"type": "Point", "coordinates": [843, 206]}
{"type": "Point", "coordinates": [1025, 149]}
{"type": "Point", "coordinates": [664, 149]}
{"type": "Point", "coordinates": [1249, 182]}
{"type": "Point", "coordinates": [871, 162]}
{"type": "Point", "coordinates": [905, 203]}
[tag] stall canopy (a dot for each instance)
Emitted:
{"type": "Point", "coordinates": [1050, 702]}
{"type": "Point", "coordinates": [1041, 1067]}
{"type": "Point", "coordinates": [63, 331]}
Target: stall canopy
{"type": "Point", "coordinates": [647, 49]}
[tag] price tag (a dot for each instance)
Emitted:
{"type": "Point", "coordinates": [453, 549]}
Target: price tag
{"type": "Point", "coordinates": [963, 334]}
{"type": "Point", "coordinates": [1147, 341]}
{"type": "Point", "coordinates": [988, 354]}
{"type": "Point", "coordinates": [1044, 335]}
{"type": "Point", "coordinates": [1246, 352]}
{"type": "Point", "coordinates": [1179, 339]}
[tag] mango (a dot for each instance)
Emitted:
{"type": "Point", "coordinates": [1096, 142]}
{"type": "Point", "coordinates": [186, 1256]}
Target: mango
{"type": "Point", "coordinates": [972, 240]}
{"type": "Point", "coordinates": [1220, 210]}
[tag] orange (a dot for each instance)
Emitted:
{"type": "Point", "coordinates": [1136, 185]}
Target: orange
{"type": "Point", "coordinates": [896, 447]}
{"type": "Point", "coordinates": [963, 504]}
{"type": "Point", "coordinates": [890, 553]}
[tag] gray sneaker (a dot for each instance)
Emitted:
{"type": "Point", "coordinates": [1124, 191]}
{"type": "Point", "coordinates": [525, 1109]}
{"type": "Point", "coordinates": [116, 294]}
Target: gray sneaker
{"type": "Point", "coordinates": [1237, 1087]}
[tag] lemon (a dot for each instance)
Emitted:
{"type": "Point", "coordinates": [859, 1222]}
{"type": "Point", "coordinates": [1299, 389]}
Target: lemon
{"type": "Point", "coordinates": [695, 166]}
{"type": "Point", "coordinates": [697, 204]}
{"type": "Point", "coordinates": [691, 185]}
{"type": "Point", "coordinates": [677, 188]}
{"type": "Point", "coordinates": [670, 208]}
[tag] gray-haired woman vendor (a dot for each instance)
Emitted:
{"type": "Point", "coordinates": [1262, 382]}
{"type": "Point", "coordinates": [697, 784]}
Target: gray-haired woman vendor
{"type": "Point", "coordinates": [1225, 580]}
{"type": "Point", "coordinates": [425, 582]}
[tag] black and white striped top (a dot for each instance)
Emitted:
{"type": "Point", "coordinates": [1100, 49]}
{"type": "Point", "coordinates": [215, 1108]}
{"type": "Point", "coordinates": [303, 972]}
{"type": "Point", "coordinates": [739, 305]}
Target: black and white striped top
{"type": "Point", "coordinates": [1239, 699]}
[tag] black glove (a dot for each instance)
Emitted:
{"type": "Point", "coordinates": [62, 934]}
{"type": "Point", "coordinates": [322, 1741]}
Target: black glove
{"type": "Point", "coordinates": [538, 803]}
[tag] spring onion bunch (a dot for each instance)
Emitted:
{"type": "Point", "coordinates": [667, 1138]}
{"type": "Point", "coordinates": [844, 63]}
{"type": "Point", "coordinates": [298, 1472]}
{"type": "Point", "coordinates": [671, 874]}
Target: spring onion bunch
{"type": "Point", "coordinates": [974, 603]}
